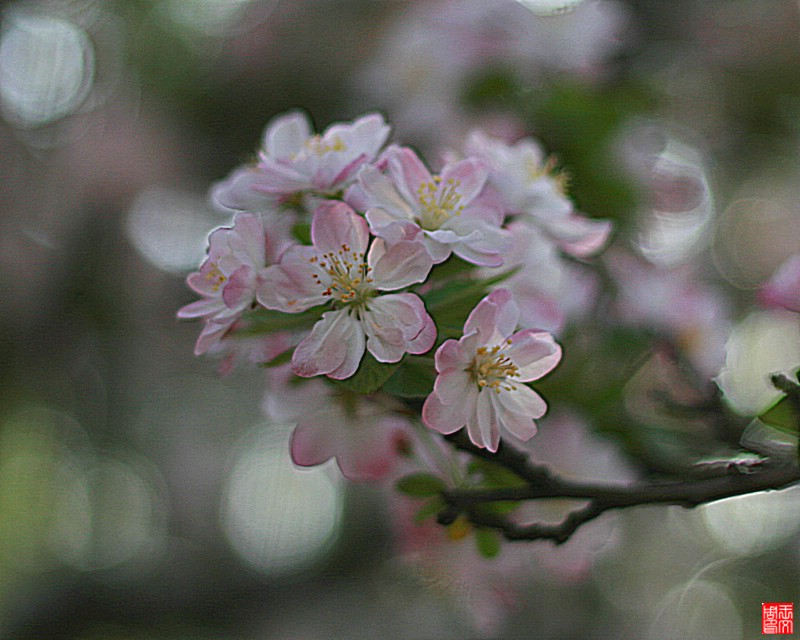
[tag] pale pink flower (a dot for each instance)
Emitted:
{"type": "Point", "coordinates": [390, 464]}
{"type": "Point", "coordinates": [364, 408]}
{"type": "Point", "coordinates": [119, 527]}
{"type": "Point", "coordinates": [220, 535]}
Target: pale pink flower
{"type": "Point", "coordinates": [484, 591]}
{"type": "Point", "coordinates": [549, 289]}
{"type": "Point", "coordinates": [526, 184]}
{"type": "Point", "coordinates": [447, 207]}
{"type": "Point", "coordinates": [365, 434]}
{"type": "Point", "coordinates": [783, 288]}
{"type": "Point", "coordinates": [228, 277]}
{"type": "Point", "coordinates": [339, 269]}
{"type": "Point", "coordinates": [675, 303]}
{"type": "Point", "coordinates": [481, 376]}
{"type": "Point", "coordinates": [294, 161]}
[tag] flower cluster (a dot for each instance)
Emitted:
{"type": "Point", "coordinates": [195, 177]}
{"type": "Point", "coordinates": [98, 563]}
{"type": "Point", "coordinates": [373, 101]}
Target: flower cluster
{"type": "Point", "coordinates": [354, 259]}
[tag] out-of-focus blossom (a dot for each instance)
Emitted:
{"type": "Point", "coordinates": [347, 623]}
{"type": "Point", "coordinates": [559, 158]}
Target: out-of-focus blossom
{"type": "Point", "coordinates": [365, 434]}
{"type": "Point", "coordinates": [674, 302]}
{"type": "Point", "coordinates": [482, 375]}
{"type": "Point", "coordinates": [447, 207]}
{"type": "Point", "coordinates": [783, 288]}
{"type": "Point", "coordinates": [437, 48]}
{"type": "Point", "coordinates": [677, 200]}
{"type": "Point", "coordinates": [447, 562]}
{"type": "Point", "coordinates": [526, 184]}
{"type": "Point", "coordinates": [549, 290]}
{"type": "Point", "coordinates": [338, 269]}
{"type": "Point", "coordinates": [228, 277]}
{"type": "Point", "coordinates": [293, 161]}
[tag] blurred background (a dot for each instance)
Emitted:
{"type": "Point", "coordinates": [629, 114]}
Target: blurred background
{"type": "Point", "coordinates": [142, 495]}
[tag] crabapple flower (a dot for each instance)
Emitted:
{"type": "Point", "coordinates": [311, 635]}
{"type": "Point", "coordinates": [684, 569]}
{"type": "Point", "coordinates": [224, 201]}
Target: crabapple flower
{"type": "Point", "coordinates": [527, 184]}
{"type": "Point", "coordinates": [783, 288]}
{"type": "Point", "coordinates": [228, 277]}
{"type": "Point", "coordinates": [447, 207]}
{"type": "Point", "coordinates": [365, 434]}
{"type": "Point", "coordinates": [294, 161]}
{"type": "Point", "coordinates": [481, 376]}
{"type": "Point", "coordinates": [549, 289]}
{"type": "Point", "coordinates": [339, 269]}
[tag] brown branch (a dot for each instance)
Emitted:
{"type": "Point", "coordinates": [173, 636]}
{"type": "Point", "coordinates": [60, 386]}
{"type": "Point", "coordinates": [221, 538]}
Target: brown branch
{"type": "Point", "coordinates": [543, 485]}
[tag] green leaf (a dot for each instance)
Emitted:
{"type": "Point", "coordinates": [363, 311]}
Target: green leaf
{"type": "Point", "coordinates": [459, 291]}
{"type": "Point", "coordinates": [370, 375]}
{"type": "Point", "coordinates": [428, 510]}
{"type": "Point", "coordinates": [281, 358]}
{"type": "Point", "coordinates": [420, 485]}
{"type": "Point", "coordinates": [783, 415]}
{"type": "Point", "coordinates": [263, 321]}
{"type": "Point", "coordinates": [302, 232]}
{"type": "Point", "coordinates": [413, 379]}
{"type": "Point", "coordinates": [494, 476]}
{"type": "Point", "coordinates": [488, 543]}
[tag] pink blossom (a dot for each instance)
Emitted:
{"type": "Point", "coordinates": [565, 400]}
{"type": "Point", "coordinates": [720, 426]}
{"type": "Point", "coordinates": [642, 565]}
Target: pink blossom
{"type": "Point", "coordinates": [484, 591]}
{"type": "Point", "coordinates": [337, 269]}
{"type": "Point", "coordinates": [783, 288]}
{"type": "Point", "coordinates": [480, 376]}
{"type": "Point", "coordinates": [365, 434]}
{"type": "Point", "coordinates": [549, 290]}
{"type": "Point", "coordinates": [675, 303]}
{"type": "Point", "coordinates": [447, 207]}
{"type": "Point", "coordinates": [228, 277]}
{"type": "Point", "coordinates": [526, 184]}
{"type": "Point", "coordinates": [293, 160]}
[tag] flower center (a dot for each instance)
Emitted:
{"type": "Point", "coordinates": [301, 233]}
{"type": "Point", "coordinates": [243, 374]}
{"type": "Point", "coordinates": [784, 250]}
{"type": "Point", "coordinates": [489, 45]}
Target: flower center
{"type": "Point", "coordinates": [438, 202]}
{"type": "Point", "coordinates": [344, 276]}
{"type": "Point", "coordinates": [215, 277]}
{"type": "Point", "coordinates": [493, 369]}
{"type": "Point", "coordinates": [548, 170]}
{"type": "Point", "coordinates": [318, 145]}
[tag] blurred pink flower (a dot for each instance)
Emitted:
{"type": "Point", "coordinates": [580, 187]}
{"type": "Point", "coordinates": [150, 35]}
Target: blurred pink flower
{"type": "Point", "coordinates": [549, 290]}
{"type": "Point", "coordinates": [783, 288]}
{"type": "Point", "coordinates": [675, 303]}
{"type": "Point", "coordinates": [366, 435]}
{"type": "Point", "coordinates": [336, 270]}
{"type": "Point", "coordinates": [481, 376]}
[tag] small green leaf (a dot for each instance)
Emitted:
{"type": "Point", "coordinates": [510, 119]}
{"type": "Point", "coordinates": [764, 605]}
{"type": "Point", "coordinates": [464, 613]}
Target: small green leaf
{"type": "Point", "coordinates": [370, 375]}
{"type": "Point", "coordinates": [455, 291]}
{"type": "Point", "coordinates": [262, 321]}
{"type": "Point", "coordinates": [428, 510]}
{"type": "Point", "coordinates": [420, 485]}
{"type": "Point", "coordinates": [302, 232]}
{"type": "Point", "coordinates": [281, 358]}
{"type": "Point", "coordinates": [488, 543]}
{"type": "Point", "coordinates": [493, 475]}
{"type": "Point", "coordinates": [783, 415]}
{"type": "Point", "coordinates": [413, 379]}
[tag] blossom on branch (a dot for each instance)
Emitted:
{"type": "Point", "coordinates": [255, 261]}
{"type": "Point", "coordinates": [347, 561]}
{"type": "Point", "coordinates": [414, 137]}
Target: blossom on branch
{"type": "Point", "coordinates": [527, 184]}
{"type": "Point", "coordinates": [294, 161]}
{"type": "Point", "coordinates": [228, 277]}
{"type": "Point", "coordinates": [447, 207]}
{"type": "Point", "coordinates": [340, 270]}
{"type": "Point", "coordinates": [481, 376]}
